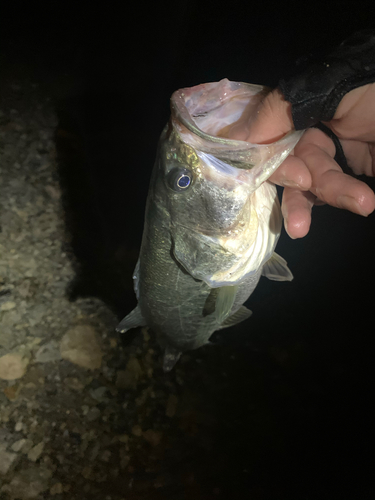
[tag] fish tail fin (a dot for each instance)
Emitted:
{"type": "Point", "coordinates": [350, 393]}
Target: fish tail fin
{"type": "Point", "coordinates": [132, 320]}
{"type": "Point", "coordinates": [171, 356]}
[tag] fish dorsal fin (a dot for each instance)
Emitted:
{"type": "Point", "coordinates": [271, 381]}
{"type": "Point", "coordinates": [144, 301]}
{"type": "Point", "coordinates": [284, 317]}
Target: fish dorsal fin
{"type": "Point", "coordinates": [276, 269]}
{"type": "Point", "coordinates": [132, 320]}
{"type": "Point", "coordinates": [171, 356]}
{"type": "Point", "coordinates": [224, 302]}
{"type": "Point", "coordinates": [240, 315]}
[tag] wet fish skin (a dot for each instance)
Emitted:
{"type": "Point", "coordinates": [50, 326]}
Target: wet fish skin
{"type": "Point", "coordinates": [211, 223]}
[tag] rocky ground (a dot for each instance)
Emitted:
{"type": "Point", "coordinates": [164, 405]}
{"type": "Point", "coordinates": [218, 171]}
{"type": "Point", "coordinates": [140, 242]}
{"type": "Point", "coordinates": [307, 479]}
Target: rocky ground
{"type": "Point", "coordinates": [81, 416]}
{"type": "Point", "coordinates": [84, 413]}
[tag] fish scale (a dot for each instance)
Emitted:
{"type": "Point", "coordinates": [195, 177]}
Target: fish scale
{"type": "Point", "coordinates": [169, 295]}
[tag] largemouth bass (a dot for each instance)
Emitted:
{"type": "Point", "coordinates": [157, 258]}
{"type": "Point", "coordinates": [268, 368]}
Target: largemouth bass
{"type": "Point", "coordinates": [212, 220]}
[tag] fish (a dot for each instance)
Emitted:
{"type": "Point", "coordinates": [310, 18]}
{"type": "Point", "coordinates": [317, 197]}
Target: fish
{"type": "Point", "coordinates": [212, 219]}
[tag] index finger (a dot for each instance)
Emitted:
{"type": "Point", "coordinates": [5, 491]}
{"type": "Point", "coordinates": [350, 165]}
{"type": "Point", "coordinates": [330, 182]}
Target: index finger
{"type": "Point", "coordinates": [272, 121]}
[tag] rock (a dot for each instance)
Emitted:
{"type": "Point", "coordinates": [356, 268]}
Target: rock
{"type": "Point", "coordinates": [99, 394]}
{"type": "Point", "coordinates": [27, 446]}
{"type": "Point", "coordinates": [56, 489]}
{"type": "Point", "coordinates": [137, 430]}
{"type": "Point", "coordinates": [5, 412]}
{"type": "Point", "coordinates": [35, 452]}
{"type": "Point", "coordinates": [7, 306]}
{"type": "Point", "coordinates": [80, 345]}
{"type": "Point", "coordinates": [18, 445]}
{"type": "Point", "coordinates": [18, 426]}
{"type": "Point", "coordinates": [13, 366]}
{"type": "Point", "coordinates": [24, 288]}
{"type": "Point", "coordinates": [105, 456]}
{"type": "Point", "coordinates": [94, 451]}
{"type": "Point", "coordinates": [121, 379]}
{"type": "Point", "coordinates": [28, 483]}
{"type": "Point", "coordinates": [12, 392]}
{"type": "Point", "coordinates": [85, 409]}
{"type": "Point", "coordinates": [53, 192]}
{"type": "Point", "coordinates": [7, 459]}
{"type": "Point", "coordinates": [86, 472]}
{"type": "Point", "coordinates": [35, 376]}
{"type": "Point", "coordinates": [48, 352]}
{"type": "Point", "coordinates": [93, 414]}
{"type": "Point", "coordinates": [128, 379]}
{"type": "Point", "coordinates": [153, 437]}
{"type": "Point", "coordinates": [170, 409]}
{"type": "Point", "coordinates": [124, 461]}
{"type": "Point", "coordinates": [74, 383]}
{"type": "Point", "coordinates": [113, 343]}
{"type": "Point", "coordinates": [124, 438]}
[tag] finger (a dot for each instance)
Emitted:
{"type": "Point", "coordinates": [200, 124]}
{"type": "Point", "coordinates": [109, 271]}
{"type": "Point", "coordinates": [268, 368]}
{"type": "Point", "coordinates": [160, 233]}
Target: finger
{"type": "Point", "coordinates": [354, 116]}
{"type": "Point", "coordinates": [319, 203]}
{"type": "Point", "coordinates": [292, 173]}
{"type": "Point", "coordinates": [360, 156]}
{"type": "Point", "coordinates": [329, 183]}
{"type": "Point", "coordinates": [342, 191]}
{"type": "Point", "coordinates": [273, 120]}
{"type": "Point", "coordinates": [296, 208]}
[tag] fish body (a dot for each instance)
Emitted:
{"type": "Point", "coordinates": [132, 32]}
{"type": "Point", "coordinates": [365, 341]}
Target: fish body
{"type": "Point", "coordinates": [212, 220]}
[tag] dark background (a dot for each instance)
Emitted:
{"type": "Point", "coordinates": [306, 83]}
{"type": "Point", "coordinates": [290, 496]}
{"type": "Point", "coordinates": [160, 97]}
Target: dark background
{"type": "Point", "coordinates": [307, 364]}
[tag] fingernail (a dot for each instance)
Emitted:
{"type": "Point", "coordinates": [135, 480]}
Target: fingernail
{"type": "Point", "coordinates": [351, 204]}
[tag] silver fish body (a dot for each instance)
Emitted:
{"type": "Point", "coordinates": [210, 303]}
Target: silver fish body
{"type": "Point", "coordinates": [212, 220]}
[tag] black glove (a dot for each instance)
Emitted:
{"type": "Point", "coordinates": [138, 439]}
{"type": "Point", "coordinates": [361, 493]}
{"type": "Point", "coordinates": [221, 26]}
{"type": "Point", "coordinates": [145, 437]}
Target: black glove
{"type": "Point", "coordinates": [316, 92]}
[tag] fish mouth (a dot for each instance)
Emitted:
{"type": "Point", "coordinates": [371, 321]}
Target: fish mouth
{"type": "Point", "coordinates": [195, 104]}
{"type": "Point", "coordinates": [201, 114]}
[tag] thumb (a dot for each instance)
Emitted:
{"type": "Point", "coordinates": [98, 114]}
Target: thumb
{"type": "Point", "coordinates": [272, 121]}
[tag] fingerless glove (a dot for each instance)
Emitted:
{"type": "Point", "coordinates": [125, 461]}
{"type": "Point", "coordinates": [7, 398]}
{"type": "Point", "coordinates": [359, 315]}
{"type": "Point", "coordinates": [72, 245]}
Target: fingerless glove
{"type": "Point", "coordinates": [316, 92]}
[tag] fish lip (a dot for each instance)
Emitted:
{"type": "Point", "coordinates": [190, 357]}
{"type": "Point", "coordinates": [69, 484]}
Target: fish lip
{"type": "Point", "coordinates": [181, 113]}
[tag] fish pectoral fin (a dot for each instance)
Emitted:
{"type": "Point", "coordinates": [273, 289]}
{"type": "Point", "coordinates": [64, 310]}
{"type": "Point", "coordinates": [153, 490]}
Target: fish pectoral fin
{"type": "Point", "coordinates": [239, 316]}
{"type": "Point", "coordinates": [276, 269]}
{"type": "Point", "coordinates": [132, 320]}
{"type": "Point", "coordinates": [224, 302]}
{"type": "Point", "coordinates": [210, 304]}
{"type": "Point", "coordinates": [171, 356]}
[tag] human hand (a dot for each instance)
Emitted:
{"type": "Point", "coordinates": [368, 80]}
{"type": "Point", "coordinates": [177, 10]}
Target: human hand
{"type": "Point", "coordinates": [310, 175]}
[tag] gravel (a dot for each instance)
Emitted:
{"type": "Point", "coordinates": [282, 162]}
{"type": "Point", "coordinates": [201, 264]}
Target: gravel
{"type": "Point", "coordinates": [82, 416]}
{"type": "Point", "coordinates": [77, 409]}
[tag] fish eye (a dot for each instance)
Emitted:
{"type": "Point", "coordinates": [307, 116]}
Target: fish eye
{"type": "Point", "coordinates": [179, 179]}
{"type": "Point", "coordinates": [183, 181]}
